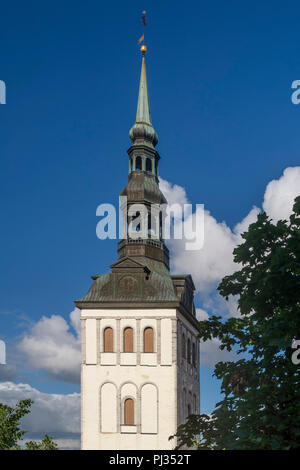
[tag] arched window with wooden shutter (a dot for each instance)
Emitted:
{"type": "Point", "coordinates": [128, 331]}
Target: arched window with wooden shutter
{"type": "Point", "coordinates": [108, 340]}
{"type": "Point", "coordinates": [148, 340]}
{"type": "Point", "coordinates": [129, 412]}
{"type": "Point", "coordinates": [128, 340]}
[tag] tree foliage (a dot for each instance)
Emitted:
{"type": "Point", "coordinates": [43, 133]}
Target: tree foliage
{"type": "Point", "coordinates": [11, 433]}
{"type": "Point", "coordinates": [46, 443]}
{"type": "Point", "coordinates": [260, 408]}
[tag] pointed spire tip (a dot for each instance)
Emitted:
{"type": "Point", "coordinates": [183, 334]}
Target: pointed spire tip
{"type": "Point", "coordinates": [142, 128]}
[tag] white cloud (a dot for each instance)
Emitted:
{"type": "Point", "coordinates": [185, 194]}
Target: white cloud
{"type": "Point", "coordinates": [215, 260]}
{"type": "Point", "coordinates": [50, 345]}
{"type": "Point", "coordinates": [210, 353]}
{"type": "Point", "coordinates": [280, 194]}
{"type": "Point", "coordinates": [174, 193]}
{"type": "Point", "coordinates": [54, 414]}
{"type": "Point", "coordinates": [8, 372]}
{"type": "Point", "coordinates": [210, 264]}
{"type": "Point", "coordinates": [215, 304]}
{"type": "Point", "coordinates": [201, 314]}
{"type": "Point", "coordinates": [242, 226]}
{"type": "Point", "coordinates": [75, 321]}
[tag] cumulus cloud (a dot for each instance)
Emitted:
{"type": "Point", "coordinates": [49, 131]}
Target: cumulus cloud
{"type": "Point", "coordinates": [75, 321]}
{"type": "Point", "coordinates": [8, 372]}
{"type": "Point", "coordinates": [215, 259]}
{"type": "Point", "coordinates": [52, 346]}
{"type": "Point", "coordinates": [210, 353]}
{"type": "Point", "coordinates": [54, 414]}
{"type": "Point", "coordinates": [242, 226]}
{"type": "Point", "coordinates": [280, 194]}
{"type": "Point", "coordinates": [174, 193]}
{"type": "Point", "coordinates": [201, 314]}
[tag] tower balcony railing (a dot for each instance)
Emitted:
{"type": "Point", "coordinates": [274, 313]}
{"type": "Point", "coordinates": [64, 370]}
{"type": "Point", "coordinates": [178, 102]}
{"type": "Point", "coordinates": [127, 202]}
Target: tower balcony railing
{"type": "Point", "coordinates": [144, 241]}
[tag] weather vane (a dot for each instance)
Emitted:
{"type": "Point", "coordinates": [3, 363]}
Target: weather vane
{"type": "Point", "coordinates": [142, 38]}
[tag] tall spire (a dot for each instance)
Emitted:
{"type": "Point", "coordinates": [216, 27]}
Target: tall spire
{"type": "Point", "coordinates": [142, 131]}
{"type": "Point", "coordinates": [143, 108]}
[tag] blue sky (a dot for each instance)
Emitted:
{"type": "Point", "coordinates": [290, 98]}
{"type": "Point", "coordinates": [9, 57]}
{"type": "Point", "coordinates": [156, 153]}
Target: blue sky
{"type": "Point", "coordinates": [219, 75]}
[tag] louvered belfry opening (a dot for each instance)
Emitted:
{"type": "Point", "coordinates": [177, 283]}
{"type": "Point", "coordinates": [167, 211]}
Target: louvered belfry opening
{"type": "Point", "coordinates": [138, 163]}
{"type": "Point", "coordinates": [129, 412]}
{"type": "Point", "coordinates": [128, 340]}
{"type": "Point", "coordinates": [149, 165]}
{"type": "Point", "coordinates": [108, 340]}
{"type": "Point", "coordinates": [148, 340]}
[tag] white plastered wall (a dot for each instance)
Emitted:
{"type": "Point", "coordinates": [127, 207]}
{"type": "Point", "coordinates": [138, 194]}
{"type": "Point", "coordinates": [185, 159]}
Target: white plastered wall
{"type": "Point", "coordinates": [149, 378]}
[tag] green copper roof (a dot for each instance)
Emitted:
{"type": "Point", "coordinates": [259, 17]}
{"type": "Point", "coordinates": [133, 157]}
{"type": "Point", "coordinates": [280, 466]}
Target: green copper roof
{"type": "Point", "coordinates": [143, 108]}
{"type": "Point", "coordinates": [158, 287]}
{"type": "Point", "coordinates": [142, 130]}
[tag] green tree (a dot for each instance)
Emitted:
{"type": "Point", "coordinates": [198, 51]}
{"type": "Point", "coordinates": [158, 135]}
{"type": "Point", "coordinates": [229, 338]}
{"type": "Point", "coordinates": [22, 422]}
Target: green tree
{"type": "Point", "coordinates": [46, 443]}
{"type": "Point", "coordinates": [260, 408]}
{"type": "Point", "coordinates": [10, 428]}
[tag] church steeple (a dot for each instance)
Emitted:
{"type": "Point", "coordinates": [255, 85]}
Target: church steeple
{"type": "Point", "coordinates": [139, 371]}
{"type": "Point", "coordinates": [142, 130]}
{"type": "Point", "coordinates": [143, 186]}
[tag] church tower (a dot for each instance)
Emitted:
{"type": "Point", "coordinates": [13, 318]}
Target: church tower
{"type": "Point", "coordinates": [140, 353]}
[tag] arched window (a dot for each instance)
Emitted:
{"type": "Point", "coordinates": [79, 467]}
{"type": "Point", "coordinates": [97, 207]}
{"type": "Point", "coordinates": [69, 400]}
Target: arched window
{"type": "Point", "coordinates": [138, 163]}
{"type": "Point", "coordinates": [189, 351]}
{"type": "Point", "coordinates": [148, 340]}
{"type": "Point", "coordinates": [194, 354]}
{"type": "Point", "coordinates": [129, 412]}
{"type": "Point", "coordinates": [183, 347]}
{"type": "Point", "coordinates": [128, 340]}
{"type": "Point", "coordinates": [131, 164]}
{"type": "Point", "coordinates": [136, 222]}
{"type": "Point", "coordinates": [189, 410]}
{"type": "Point", "coordinates": [195, 404]}
{"type": "Point", "coordinates": [149, 165]}
{"type": "Point", "coordinates": [156, 168]}
{"type": "Point", "coordinates": [108, 340]}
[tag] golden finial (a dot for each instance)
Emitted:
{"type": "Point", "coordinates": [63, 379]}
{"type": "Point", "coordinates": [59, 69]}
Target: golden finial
{"type": "Point", "coordinates": [143, 49]}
